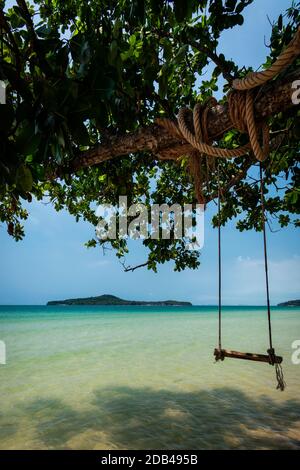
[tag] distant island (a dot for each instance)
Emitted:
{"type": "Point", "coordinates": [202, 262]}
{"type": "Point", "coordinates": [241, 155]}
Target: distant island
{"type": "Point", "coordinates": [289, 303]}
{"type": "Point", "coordinates": [113, 300]}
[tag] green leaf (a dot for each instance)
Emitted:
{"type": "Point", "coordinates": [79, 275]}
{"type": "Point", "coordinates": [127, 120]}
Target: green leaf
{"type": "Point", "coordinates": [239, 19]}
{"type": "Point", "coordinates": [132, 40]}
{"type": "Point", "coordinates": [15, 17]}
{"type": "Point", "coordinates": [117, 27]}
{"type": "Point", "coordinates": [293, 196]}
{"type": "Point", "coordinates": [181, 53]}
{"type": "Point", "coordinates": [43, 31]}
{"type": "Point", "coordinates": [24, 178]}
{"type": "Point", "coordinates": [27, 140]}
{"type": "Point", "coordinates": [113, 50]}
{"type": "Point", "coordinates": [240, 7]}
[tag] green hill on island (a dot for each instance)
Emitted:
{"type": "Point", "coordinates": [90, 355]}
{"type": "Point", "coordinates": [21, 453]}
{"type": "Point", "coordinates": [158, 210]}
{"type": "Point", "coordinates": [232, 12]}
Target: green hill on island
{"type": "Point", "coordinates": [113, 300]}
{"type": "Point", "coordinates": [289, 303]}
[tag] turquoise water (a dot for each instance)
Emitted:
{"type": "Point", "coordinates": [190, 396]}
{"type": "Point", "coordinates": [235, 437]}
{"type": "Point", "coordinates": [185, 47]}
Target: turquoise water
{"type": "Point", "coordinates": [145, 378]}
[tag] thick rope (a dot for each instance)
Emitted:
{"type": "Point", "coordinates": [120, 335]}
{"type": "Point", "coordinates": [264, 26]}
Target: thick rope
{"type": "Point", "coordinates": [191, 125]}
{"type": "Point", "coordinates": [182, 130]}
{"type": "Point", "coordinates": [286, 57]}
{"type": "Point", "coordinates": [241, 111]}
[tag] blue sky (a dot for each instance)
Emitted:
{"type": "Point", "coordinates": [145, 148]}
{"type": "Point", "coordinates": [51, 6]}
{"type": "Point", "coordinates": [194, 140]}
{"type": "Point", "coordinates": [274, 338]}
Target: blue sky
{"type": "Point", "coordinates": [52, 262]}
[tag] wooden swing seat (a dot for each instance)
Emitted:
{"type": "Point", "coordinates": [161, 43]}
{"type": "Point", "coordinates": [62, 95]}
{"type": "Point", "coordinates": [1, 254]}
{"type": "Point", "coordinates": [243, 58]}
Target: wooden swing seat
{"type": "Point", "coordinates": [220, 354]}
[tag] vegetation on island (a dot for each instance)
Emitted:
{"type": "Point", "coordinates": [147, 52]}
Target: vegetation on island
{"type": "Point", "coordinates": [113, 300]}
{"type": "Point", "coordinates": [290, 303]}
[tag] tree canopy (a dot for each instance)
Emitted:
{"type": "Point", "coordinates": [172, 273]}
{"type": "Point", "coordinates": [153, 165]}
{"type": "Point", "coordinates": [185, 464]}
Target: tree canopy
{"type": "Point", "coordinates": [86, 81]}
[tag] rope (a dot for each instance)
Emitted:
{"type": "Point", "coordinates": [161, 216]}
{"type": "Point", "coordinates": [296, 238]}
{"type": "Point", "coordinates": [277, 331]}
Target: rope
{"type": "Point", "coordinates": [219, 356]}
{"type": "Point", "coordinates": [191, 125]}
{"type": "Point", "coordinates": [196, 158]}
{"type": "Point", "coordinates": [255, 79]}
{"type": "Point", "coordinates": [219, 261]}
{"type": "Point", "coordinates": [271, 351]}
{"type": "Point", "coordinates": [263, 216]}
{"type": "Point", "coordinates": [280, 379]}
{"type": "Point", "coordinates": [241, 111]}
{"type": "Point", "coordinates": [181, 129]}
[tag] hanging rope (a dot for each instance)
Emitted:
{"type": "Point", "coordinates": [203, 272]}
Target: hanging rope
{"type": "Point", "coordinates": [219, 262]}
{"type": "Point", "coordinates": [271, 351]}
{"type": "Point", "coordinates": [263, 217]}
{"type": "Point", "coordinates": [281, 385]}
{"type": "Point", "coordinates": [219, 352]}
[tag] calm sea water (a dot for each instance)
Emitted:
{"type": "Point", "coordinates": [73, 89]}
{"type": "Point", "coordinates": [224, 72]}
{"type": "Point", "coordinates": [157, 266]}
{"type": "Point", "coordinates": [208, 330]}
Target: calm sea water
{"type": "Point", "coordinates": [144, 377]}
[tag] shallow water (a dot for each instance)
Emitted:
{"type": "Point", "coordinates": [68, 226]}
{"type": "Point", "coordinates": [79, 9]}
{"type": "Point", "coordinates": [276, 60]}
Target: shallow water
{"type": "Point", "coordinates": [145, 378]}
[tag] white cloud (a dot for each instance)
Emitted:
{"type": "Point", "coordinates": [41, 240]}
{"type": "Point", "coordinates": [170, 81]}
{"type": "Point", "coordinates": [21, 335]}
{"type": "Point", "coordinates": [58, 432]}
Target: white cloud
{"type": "Point", "coordinates": [99, 263]}
{"type": "Point", "coordinates": [246, 280]}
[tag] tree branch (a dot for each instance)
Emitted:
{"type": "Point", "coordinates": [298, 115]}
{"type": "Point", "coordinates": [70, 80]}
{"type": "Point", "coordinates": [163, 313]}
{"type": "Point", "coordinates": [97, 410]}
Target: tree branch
{"type": "Point", "coordinates": [276, 98]}
{"type": "Point", "coordinates": [133, 268]}
{"type": "Point", "coordinates": [34, 39]}
{"type": "Point", "coordinates": [215, 58]}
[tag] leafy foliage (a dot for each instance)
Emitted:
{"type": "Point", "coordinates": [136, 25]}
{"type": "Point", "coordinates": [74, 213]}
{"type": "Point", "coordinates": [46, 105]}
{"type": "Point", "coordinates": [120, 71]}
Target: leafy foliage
{"type": "Point", "coordinates": [79, 71]}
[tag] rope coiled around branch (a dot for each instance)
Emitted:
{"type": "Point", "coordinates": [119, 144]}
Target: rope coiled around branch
{"type": "Point", "coordinates": [191, 125]}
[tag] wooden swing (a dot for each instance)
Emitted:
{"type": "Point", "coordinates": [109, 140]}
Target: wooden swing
{"type": "Point", "coordinates": [220, 353]}
{"type": "Point", "coordinates": [191, 127]}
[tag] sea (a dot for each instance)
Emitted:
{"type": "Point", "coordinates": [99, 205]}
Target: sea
{"type": "Point", "coordinates": [119, 377]}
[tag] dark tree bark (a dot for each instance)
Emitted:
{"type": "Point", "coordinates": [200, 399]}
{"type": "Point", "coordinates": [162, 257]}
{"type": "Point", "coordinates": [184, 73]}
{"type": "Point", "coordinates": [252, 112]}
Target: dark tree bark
{"type": "Point", "coordinates": [271, 99]}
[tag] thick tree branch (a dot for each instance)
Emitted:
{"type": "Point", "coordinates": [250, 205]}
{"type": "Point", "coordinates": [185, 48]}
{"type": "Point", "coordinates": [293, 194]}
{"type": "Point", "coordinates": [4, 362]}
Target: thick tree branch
{"type": "Point", "coordinates": [273, 98]}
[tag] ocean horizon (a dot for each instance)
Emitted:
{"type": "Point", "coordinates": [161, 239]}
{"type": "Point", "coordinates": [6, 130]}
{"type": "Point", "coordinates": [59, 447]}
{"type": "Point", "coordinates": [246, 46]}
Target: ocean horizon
{"type": "Point", "coordinates": [144, 377]}
{"type": "Point", "coordinates": [159, 306]}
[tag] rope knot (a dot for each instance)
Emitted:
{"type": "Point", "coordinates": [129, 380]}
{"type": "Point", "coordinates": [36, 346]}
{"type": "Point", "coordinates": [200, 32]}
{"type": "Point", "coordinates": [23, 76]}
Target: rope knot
{"type": "Point", "coordinates": [192, 127]}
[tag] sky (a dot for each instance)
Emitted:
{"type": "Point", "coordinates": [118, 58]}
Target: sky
{"type": "Point", "coordinates": [53, 263]}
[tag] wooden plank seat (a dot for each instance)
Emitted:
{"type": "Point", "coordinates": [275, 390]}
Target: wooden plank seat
{"type": "Point", "coordinates": [220, 354]}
